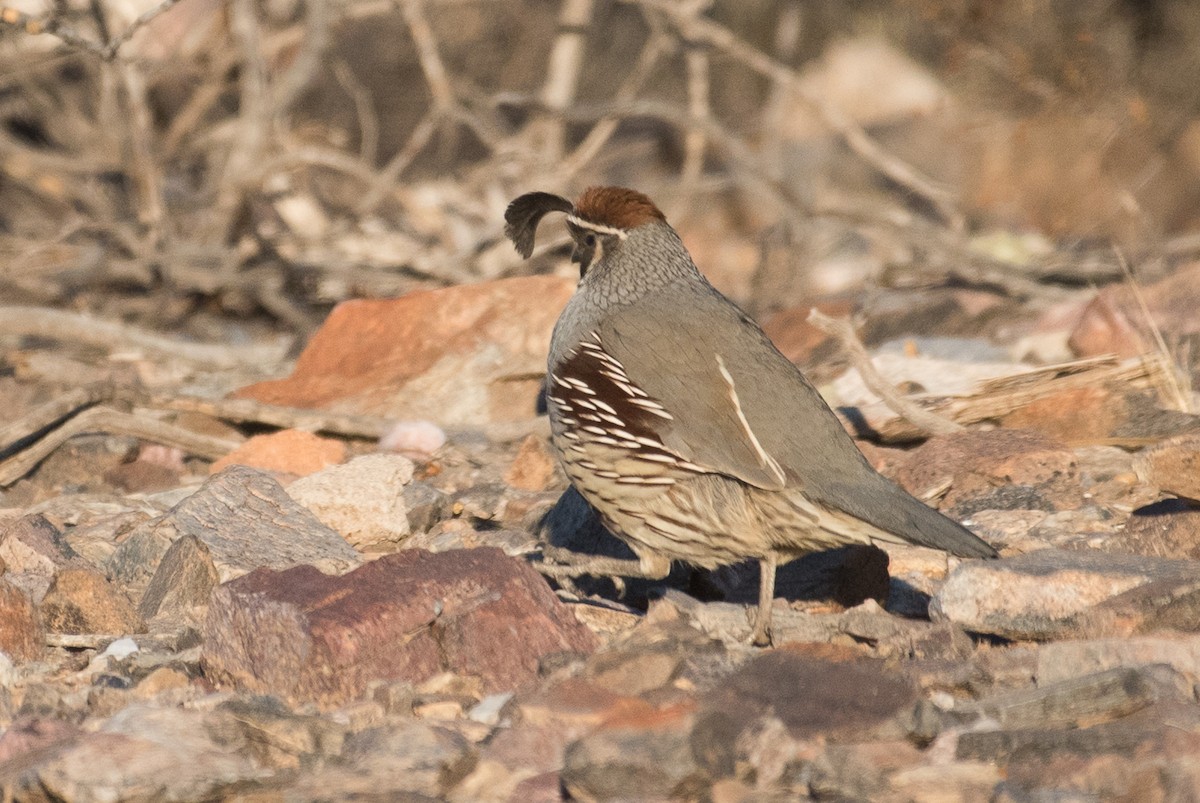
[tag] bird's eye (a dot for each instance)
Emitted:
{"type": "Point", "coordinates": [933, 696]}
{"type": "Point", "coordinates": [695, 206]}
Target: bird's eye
{"type": "Point", "coordinates": [590, 240]}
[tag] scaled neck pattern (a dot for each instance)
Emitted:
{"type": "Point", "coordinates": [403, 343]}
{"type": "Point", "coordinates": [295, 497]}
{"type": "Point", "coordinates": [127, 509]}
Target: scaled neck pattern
{"type": "Point", "coordinates": [650, 259]}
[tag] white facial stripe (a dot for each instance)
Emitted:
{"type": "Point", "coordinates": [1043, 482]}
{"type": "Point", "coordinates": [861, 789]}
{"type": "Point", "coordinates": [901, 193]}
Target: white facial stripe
{"type": "Point", "coordinates": [596, 227]}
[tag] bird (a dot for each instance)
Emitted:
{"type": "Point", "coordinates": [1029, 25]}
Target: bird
{"type": "Point", "coordinates": [685, 428]}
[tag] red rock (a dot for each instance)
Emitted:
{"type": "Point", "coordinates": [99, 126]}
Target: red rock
{"type": "Point", "coordinates": [82, 601]}
{"type": "Point", "coordinates": [289, 451]}
{"type": "Point", "coordinates": [462, 355]}
{"type": "Point", "coordinates": [994, 469]}
{"type": "Point", "coordinates": [1078, 414]}
{"type": "Point", "coordinates": [21, 634]}
{"type": "Point", "coordinates": [406, 616]}
{"type": "Point", "coordinates": [533, 467]}
{"type": "Point", "coordinates": [792, 334]}
{"type": "Point", "coordinates": [1114, 323]}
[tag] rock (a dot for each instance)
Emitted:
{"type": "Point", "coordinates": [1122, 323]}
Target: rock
{"type": "Point", "coordinates": [1114, 322]}
{"type": "Point", "coordinates": [409, 615]}
{"type": "Point", "coordinates": [644, 753]}
{"type": "Point", "coordinates": [1053, 593]}
{"type": "Point", "coordinates": [1172, 466]}
{"type": "Point", "coordinates": [141, 753]}
{"type": "Point", "coordinates": [33, 551]}
{"type": "Point", "coordinates": [289, 451]}
{"type": "Point", "coordinates": [533, 467]}
{"type": "Point", "coordinates": [184, 580]}
{"type": "Point", "coordinates": [425, 506]}
{"type": "Point", "coordinates": [861, 771]}
{"type": "Point", "coordinates": [416, 440]}
{"type": "Point", "coordinates": [1169, 529]}
{"type": "Point", "coordinates": [280, 739]}
{"type": "Point", "coordinates": [793, 335]}
{"type": "Point", "coordinates": [246, 520]}
{"type": "Point", "coordinates": [143, 476]}
{"type": "Point", "coordinates": [1101, 762]}
{"type": "Point", "coordinates": [839, 699]}
{"type": "Point", "coordinates": [403, 761]}
{"type": "Point", "coordinates": [82, 601]}
{"type": "Point", "coordinates": [1082, 701]}
{"type": "Point", "coordinates": [1064, 660]}
{"type": "Point", "coordinates": [22, 636]}
{"type": "Point", "coordinates": [462, 355]}
{"type": "Point", "coordinates": [1003, 469]}
{"type": "Point", "coordinates": [362, 500]}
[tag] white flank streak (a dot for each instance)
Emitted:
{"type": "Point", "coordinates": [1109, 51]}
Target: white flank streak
{"type": "Point", "coordinates": [605, 407]}
{"type": "Point", "coordinates": [764, 458]}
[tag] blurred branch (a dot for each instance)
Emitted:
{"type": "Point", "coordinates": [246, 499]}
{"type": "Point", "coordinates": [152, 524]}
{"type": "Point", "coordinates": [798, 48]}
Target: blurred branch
{"type": "Point", "coordinates": [55, 26]}
{"type": "Point", "coordinates": [700, 29]}
{"type": "Point", "coordinates": [75, 328]}
{"type": "Point", "coordinates": [562, 79]}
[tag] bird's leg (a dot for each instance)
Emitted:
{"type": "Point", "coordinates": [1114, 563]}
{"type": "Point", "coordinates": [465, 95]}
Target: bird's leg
{"type": "Point", "coordinates": [648, 567]}
{"type": "Point", "coordinates": [766, 595]}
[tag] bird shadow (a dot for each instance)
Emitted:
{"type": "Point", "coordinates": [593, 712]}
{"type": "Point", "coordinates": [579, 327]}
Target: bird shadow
{"type": "Point", "coordinates": [846, 576]}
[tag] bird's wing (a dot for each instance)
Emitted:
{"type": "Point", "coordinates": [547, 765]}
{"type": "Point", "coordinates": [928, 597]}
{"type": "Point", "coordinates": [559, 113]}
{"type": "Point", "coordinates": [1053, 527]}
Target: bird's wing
{"type": "Point", "coordinates": [699, 415]}
{"type": "Point", "coordinates": [741, 408]}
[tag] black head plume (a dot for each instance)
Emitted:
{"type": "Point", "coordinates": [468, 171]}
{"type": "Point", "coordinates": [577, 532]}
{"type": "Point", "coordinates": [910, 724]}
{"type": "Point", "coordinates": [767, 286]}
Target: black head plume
{"type": "Point", "coordinates": [523, 215]}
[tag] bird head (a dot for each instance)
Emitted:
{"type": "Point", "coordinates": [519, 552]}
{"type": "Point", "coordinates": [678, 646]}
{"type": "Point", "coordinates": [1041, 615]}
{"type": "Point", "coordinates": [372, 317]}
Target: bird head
{"type": "Point", "coordinates": [599, 222]}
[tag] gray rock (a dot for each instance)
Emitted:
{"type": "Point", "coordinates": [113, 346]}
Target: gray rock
{"type": "Point", "coordinates": [184, 580]}
{"type": "Point", "coordinates": [425, 505]}
{"type": "Point", "coordinates": [246, 520]}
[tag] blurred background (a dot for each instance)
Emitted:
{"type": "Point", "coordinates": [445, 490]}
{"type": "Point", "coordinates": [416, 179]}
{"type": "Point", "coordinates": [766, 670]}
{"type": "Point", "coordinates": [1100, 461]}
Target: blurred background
{"type": "Point", "coordinates": [233, 168]}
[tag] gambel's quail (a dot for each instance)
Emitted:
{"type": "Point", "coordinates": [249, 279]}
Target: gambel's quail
{"type": "Point", "coordinates": [685, 428]}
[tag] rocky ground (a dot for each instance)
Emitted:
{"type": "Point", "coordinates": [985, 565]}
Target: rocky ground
{"type": "Point", "coordinates": [321, 617]}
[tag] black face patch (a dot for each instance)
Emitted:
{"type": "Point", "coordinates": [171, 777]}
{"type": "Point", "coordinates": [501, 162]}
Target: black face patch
{"type": "Point", "coordinates": [588, 247]}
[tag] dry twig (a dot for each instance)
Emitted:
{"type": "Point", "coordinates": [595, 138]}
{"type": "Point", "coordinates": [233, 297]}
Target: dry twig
{"type": "Point", "coordinates": [919, 417]}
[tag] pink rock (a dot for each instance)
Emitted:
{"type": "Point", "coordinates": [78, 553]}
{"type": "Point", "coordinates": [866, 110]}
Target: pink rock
{"type": "Point", "coordinates": [416, 440]}
{"type": "Point", "coordinates": [1114, 323]}
{"type": "Point", "coordinates": [461, 355]}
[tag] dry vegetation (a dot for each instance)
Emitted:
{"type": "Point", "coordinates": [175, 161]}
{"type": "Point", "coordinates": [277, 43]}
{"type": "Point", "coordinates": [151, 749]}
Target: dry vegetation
{"type": "Point", "coordinates": [230, 170]}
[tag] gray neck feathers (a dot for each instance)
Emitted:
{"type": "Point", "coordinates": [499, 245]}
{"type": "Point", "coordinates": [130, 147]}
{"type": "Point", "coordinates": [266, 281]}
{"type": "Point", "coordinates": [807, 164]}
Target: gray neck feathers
{"type": "Point", "coordinates": [651, 258]}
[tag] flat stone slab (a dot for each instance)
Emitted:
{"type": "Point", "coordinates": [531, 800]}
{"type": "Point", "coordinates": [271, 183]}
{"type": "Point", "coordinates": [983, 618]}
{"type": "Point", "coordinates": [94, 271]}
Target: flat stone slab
{"type": "Point", "coordinates": [1054, 593]}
